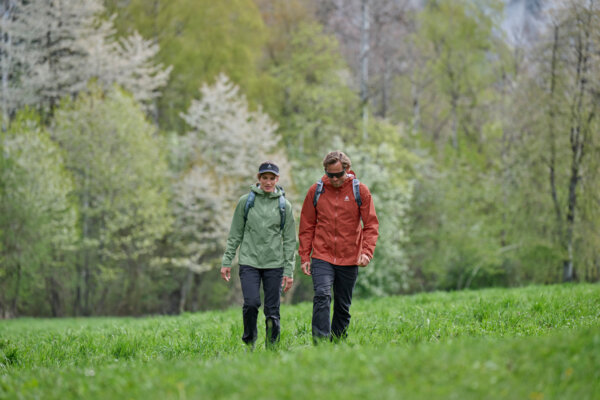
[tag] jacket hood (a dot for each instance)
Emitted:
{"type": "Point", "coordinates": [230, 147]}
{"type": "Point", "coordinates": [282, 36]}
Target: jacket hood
{"type": "Point", "coordinates": [256, 189]}
{"type": "Point", "coordinates": [327, 181]}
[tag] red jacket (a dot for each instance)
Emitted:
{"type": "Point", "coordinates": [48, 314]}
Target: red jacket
{"type": "Point", "coordinates": [333, 231]}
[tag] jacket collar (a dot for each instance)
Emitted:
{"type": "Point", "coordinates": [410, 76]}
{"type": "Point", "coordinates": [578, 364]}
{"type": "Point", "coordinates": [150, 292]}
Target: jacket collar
{"type": "Point", "coordinates": [256, 189]}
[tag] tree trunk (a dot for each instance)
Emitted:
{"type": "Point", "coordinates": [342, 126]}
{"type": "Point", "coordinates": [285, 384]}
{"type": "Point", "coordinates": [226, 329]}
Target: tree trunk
{"type": "Point", "coordinates": [53, 296]}
{"type": "Point", "coordinates": [416, 105]}
{"type": "Point", "coordinates": [578, 137]}
{"type": "Point", "coordinates": [6, 40]}
{"type": "Point", "coordinates": [15, 300]}
{"type": "Point", "coordinates": [454, 113]}
{"type": "Point", "coordinates": [185, 290]}
{"type": "Point", "coordinates": [364, 67]}
{"type": "Point", "coordinates": [552, 135]}
{"type": "Point", "coordinates": [385, 87]}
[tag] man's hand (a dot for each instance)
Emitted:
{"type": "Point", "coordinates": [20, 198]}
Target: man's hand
{"type": "Point", "coordinates": [363, 260]}
{"type": "Point", "coordinates": [306, 268]}
{"type": "Point", "coordinates": [226, 273]}
{"type": "Point", "coordinates": [287, 283]}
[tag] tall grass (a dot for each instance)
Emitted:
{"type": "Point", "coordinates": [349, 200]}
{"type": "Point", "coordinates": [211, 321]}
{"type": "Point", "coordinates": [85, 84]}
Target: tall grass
{"type": "Point", "coordinates": [535, 342]}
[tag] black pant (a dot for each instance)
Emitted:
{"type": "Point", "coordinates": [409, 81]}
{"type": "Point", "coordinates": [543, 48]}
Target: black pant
{"type": "Point", "coordinates": [343, 279]}
{"type": "Point", "coordinates": [271, 280]}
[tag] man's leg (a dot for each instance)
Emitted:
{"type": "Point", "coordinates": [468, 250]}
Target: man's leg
{"type": "Point", "coordinates": [343, 286]}
{"type": "Point", "coordinates": [322, 276]}
{"type": "Point", "coordinates": [250, 279]}
{"type": "Point", "coordinates": [272, 288]}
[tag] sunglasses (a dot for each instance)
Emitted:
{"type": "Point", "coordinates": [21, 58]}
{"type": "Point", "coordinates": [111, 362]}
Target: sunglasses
{"type": "Point", "coordinates": [332, 175]}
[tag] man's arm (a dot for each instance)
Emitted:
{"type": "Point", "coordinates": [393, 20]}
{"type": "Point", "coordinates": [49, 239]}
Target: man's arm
{"type": "Point", "coordinates": [308, 223]}
{"type": "Point", "coordinates": [370, 222]}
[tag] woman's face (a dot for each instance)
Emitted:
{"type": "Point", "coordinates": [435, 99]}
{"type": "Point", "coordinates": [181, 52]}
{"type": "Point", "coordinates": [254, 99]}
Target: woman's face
{"type": "Point", "coordinates": [268, 181]}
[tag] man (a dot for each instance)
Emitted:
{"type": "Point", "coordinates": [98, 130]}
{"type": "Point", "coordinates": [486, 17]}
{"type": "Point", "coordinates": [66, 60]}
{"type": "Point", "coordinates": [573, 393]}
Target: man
{"type": "Point", "coordinates": [331, 234]}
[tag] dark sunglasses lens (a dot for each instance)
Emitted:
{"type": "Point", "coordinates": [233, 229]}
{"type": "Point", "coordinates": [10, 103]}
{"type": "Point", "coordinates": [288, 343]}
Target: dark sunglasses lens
{"type": "Point", "coordinates": [335, 174]}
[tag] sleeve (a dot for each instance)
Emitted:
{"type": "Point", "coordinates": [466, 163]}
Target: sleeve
{"type": "Point", "coordinates": [308, 223]}
{"type": "Point", "coordinates": [289, 241]}
{"type": "Point", "coordinates": [370, 222]}
{"type": "Point", "coordinates": [236, 232]}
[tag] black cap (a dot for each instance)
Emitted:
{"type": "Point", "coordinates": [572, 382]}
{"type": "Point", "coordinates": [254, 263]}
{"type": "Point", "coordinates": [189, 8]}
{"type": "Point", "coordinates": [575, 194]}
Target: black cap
{"type": "Point", "coordinates": [268, 167]}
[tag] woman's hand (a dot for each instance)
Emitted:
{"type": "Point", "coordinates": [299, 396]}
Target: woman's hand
{"type": "Point", "coordinates": [287, 283]}
{"type": "Point", "coordinates": [226, 273]}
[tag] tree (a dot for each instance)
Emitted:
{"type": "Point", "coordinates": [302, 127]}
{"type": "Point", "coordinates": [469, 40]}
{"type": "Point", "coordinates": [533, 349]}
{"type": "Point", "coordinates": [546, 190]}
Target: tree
{"type": "Point", "coordinates": [120, 174]}
{"type": "Point", "coordinates": [219, 156]}
{"type": "Point", "coordinates": [52, 48]}
{"type": "Point", "coordinates": [459, 35]}
{"type": "Point", "coordinates": [37, 219]}
{"type": "Point", "coordinates": [314, 103]}
{"type": "Point", "coordinates": [200, 39]}
{"type": "Point", "coordinates": [572, 113]}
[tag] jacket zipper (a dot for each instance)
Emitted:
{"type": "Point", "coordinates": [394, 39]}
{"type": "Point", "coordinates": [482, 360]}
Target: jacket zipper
{"type": "Point", "coordinates": [337, 196]}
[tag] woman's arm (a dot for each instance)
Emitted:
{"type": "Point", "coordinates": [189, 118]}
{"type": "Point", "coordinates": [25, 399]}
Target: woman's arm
{"type": "Point", "coordinates": [236, 233]}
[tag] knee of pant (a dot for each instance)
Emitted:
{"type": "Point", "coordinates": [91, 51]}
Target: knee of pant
{"type": "Point", "coordinates": [322, 295]}
{"type": "Point", "coordinates": [253, 303]}
{"type": "Point", "coordinates": [271, 312]}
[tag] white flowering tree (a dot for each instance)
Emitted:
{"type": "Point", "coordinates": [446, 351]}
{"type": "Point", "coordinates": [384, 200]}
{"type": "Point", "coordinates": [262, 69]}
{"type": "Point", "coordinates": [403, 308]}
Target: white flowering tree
{"type": "Point", "coordinates": [51, 49]}
{"type": "Point", "coordinates": [226, 136]}
{"type": "Point", "coordinates": [220, 157]}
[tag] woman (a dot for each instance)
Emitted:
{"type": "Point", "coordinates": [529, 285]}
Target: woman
{"type": "Point", "coordinates": [263, 228]}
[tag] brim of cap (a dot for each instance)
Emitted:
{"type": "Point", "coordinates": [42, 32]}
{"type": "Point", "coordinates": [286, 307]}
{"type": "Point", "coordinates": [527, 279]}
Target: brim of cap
{"type": "Point", "coordinates": [268, 170]}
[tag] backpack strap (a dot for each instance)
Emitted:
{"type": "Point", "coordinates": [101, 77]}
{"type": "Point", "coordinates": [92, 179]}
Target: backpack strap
{"type": "Point", "coordinates": [281, 208]}
{"type": "Point", "coordinates": [249, 205]}
{"type": "Point", "coordinates": [318, 192]}
{"type": "Point", "coordinates": [356, 190]}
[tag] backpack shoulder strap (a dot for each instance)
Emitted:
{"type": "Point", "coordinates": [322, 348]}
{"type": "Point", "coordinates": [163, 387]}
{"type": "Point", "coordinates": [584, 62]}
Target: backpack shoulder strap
{"type": "Point", "coordinates": [281, 208]}
{"type": "Point", "coordinates": [249, 204]}
{"type": "Point", "coordinates": [282, 212]}
{"type": "Point", "coordinates": [356, 190]}
{"type": "Point", "coordinates": [318, 192]}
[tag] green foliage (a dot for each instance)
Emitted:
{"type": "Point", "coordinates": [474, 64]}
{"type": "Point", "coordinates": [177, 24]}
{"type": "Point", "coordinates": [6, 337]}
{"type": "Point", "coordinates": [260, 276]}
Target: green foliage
{"type": "Point", "coordinates": [456, 40]}
{"type": "Point", "coordinates": [120, 174]}
{"type": "Point", "coordinates": [37, 218]}
{"type": "Point", "coordinates": [311, 99]}
{"type": "Point", "coordinates": [530, 342]}
{"type": "Point", "coordinates": [200, 39]}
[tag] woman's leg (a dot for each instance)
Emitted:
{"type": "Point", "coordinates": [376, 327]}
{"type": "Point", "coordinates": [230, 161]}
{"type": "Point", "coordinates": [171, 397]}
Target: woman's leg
{"type": "Point", "coordinates": [250, 279]}
{"type": "Point", "coordinates": [272, 287]}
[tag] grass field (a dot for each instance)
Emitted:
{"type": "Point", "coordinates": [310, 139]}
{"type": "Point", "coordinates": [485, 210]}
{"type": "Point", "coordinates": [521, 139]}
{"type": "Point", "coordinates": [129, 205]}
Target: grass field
{"type": "Point", "coordinates": [531, 343]}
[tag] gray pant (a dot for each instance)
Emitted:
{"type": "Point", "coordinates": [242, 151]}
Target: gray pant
{"type": "Point", "coordinates": [250, 278]}
{"type": "Point", "coordinates": [342, 278]}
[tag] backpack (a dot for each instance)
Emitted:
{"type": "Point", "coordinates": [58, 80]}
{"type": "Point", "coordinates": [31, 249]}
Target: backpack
{"type": "Point", "coordinates": [250, 204]}
{"type": "Point", "coordinates": [355, 190]}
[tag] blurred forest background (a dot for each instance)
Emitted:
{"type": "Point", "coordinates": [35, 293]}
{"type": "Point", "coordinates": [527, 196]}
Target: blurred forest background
{"type": "Point", "coordinates": [131, 127]}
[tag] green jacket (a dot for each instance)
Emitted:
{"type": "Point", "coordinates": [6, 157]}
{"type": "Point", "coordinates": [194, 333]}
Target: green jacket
{"type": "Point", "coordinates": [261, 241]}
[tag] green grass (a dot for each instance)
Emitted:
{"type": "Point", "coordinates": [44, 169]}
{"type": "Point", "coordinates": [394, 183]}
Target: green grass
{"type": "Point", "coordinates": [529, 343]}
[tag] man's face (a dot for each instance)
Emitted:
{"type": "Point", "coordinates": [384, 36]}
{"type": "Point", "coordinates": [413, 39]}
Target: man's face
{"type": "Point", "coordinates": [268, 181]}
{"type": "Point", "coordinates": [336, 169]}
